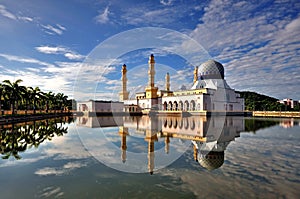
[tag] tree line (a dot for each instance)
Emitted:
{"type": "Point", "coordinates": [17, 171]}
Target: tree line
{"type": "Point", "coordinates": [14, 97]}
{"type": "Point", "coordinates": [259, 102]}
{"type": "Point", "coordinates": [18, 138]}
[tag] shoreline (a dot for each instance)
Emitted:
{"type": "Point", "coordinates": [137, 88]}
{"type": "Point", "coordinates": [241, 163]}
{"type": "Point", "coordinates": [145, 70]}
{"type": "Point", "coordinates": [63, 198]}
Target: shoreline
{"type": "Point", "coordinates": [10, 119]}
{"type": "Point", "coordinates": [278, 114]}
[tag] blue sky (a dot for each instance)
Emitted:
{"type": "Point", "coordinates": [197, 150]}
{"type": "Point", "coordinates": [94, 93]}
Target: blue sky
{"type": "Point", "coordinates": [47, 43]}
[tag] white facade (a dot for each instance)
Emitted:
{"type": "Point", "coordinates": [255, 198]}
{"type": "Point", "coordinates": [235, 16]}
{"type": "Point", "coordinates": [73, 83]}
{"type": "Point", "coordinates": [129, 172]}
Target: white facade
{"type": "Point", "coordinates": [210, 93]}
{"type": "Point", "coordinates": [100, 106]}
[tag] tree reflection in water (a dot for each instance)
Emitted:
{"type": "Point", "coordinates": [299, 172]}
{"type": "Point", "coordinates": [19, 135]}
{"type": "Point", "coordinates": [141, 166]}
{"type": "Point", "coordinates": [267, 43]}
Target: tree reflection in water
{"type": "Point", "coordinates": [16, 138]}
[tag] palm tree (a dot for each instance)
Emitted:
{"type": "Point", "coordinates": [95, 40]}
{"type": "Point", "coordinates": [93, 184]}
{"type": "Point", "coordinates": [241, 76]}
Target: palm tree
{"type": "Point", "coordinates": [49, 97]}
{"type": "Point", "coordinates": [62, 100]}
{"type": "Point", "coordinates": [13, 92]}
{"type": "Point", "coordinates": [35, 94]}
{"type": "Point", "coordinates": [26, 98]}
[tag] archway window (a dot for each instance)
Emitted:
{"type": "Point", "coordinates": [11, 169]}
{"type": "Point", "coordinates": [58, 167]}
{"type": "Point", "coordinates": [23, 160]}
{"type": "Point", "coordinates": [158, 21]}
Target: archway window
{"type": "Point", "coordinates": [175, 106]}
{"type": "Point", "coordinates": [180, 106]}
{"type": "Point", "coordinates": [165, 106]}
{"type": "Point", "coordinates": [175, 124]}
{"type": "Point", "coordinates": [186, 124]}
{"type": "Point", "coordinates": [186, 106]}
{"type": "Point", "coordinates": [170, 123]}
{"type": "Point", "coordinates": [193, 105]}
{"type": "Point", "coordinates": [170, 106]}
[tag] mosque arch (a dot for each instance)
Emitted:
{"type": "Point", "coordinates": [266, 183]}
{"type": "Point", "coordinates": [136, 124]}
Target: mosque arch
{"type": "Point", "coordinates": [165, 123]}
{"type": "Point", "coordinates": [180, 105]}
{"type": "Point", "coordinates": [170, 123]}
{"type": "Point", "coordinates": [175, 124]}
{"type": "Point", "coordinates": [175, 106]}
{"type": "Point", "coordinates": [186, 106]}
{"type": "Point", "coordinates": [193, 124]}
{"type": "Point", "coordinates": [180, 124]}
{"type": "Point", "coordinates": [170, 106]}
{"type": "Point", "coordinates": [193, 105]}
{"type": "Point", "coordinates": [165, 106]}
{"type": "Point", "coordinates": [186, 123]}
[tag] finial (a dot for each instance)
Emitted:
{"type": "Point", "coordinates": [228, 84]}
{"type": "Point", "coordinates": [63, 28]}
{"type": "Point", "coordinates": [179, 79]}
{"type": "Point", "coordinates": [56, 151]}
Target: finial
{"type": "Point", "coordinates": [151, 59]}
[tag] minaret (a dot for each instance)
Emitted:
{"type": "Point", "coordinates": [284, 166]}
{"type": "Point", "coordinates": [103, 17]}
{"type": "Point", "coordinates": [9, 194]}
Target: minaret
{"type": "Point", "coordinates": [195, 153]}
{"type": "Point", "coordinates": [124, 93]}
{"type": "Point", "coordinates": [196, 74]}
{"type": "Point", "coordinates": [123, 132]}
{"type": "Point", "coordinates": [167, 147]}
{"type": "Point", "coordinates": [151, 91]}
{"type": "Point", "coordinates": [151, 137]}
{"type": "Point", "coordinates": [151, 71]}
{"type": "Point", "coordinates": [167, 82]}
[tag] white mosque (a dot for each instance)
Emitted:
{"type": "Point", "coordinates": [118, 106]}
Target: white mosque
{"type": "Point", "coordinates": [210, 94]}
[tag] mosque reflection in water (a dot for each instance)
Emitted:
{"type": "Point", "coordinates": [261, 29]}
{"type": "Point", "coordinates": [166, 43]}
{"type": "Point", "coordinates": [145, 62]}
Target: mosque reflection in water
{"type": "Point", "coordinates": [209, 136]}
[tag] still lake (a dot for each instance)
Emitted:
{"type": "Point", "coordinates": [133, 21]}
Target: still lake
{"type": "Point", "coordinates": [151, 157]}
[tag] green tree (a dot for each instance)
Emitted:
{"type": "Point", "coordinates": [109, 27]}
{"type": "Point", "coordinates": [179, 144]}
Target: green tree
{"type": "Point", "coordinates": [49, 100]}
{"type": "Point", "coordinates": [35, 94]}
{"type": "Point", "coordinates": [13, 92]}
{"type": "Point", "coordinates": [61, 101]}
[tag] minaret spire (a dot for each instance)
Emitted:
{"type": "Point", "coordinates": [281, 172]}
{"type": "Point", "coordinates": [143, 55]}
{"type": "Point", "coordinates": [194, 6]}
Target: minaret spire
{"type": "Point", "coordinates": [151, 90]}
{"type": "Point", "coordinates": [167, 82]}
{"type": "Point", "coordinates": [151, 71]}
{"type": "Point", "coordinates": [195, 74]}
{"type": "Point", "coordinates": [123, 132]}
{"type": "Point", "coordinates": [124, 93]}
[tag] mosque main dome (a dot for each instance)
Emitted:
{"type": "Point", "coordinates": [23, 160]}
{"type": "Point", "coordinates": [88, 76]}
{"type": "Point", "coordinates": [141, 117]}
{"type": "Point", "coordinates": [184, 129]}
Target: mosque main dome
{"type": "Point", "coordinates": [211, 69]}
{"type": "Point", "coordinates": [212, 160]}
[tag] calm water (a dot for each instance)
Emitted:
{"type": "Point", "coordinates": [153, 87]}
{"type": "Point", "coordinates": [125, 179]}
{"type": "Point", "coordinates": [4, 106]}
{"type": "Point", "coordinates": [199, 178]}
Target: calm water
{"type": "Point", "coordinates": [194, 157]}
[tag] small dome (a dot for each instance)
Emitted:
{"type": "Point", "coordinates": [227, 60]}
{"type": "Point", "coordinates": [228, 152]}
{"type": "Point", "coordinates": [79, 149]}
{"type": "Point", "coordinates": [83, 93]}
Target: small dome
{"type": "Point", "coordinates": [211, 69]}
{"type": "Point", "coordinates": [211, 160]}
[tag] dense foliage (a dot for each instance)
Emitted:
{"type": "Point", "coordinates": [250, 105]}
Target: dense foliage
{"type": "Point", "coordinates": [254, 124]}
{"type": "Point", "coordinates": [16, 138]}
{"type": "Point", "coordinates": [259, 102]}
{"type": "Point", "coordinates": [14, 96]}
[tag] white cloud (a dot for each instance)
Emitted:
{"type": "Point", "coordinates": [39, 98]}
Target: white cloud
{"type": "Point", "coordinates": [51, 192]}
{"type": "Point", "coordinates": [103, 17]}
{"type": "Point", "coordinates": [58, 77]}
{"type": "Point", "coordinates": [73, 56]}
{"type": "Point", "coordinates": [61, 27]}
{"type": "Point", "coordinates": [65, 169]}
{"type": "Point", "coordinates": [49, 171]}
{"type": "Point", "coordinates": [166, 2]}
{"type": "Point", "coordinates": [4, 12]}
{"type": "Point", "coordinates": [52, 30]}
{"type": "Point", "coordinates": [26, 19]}
{"type": "Point", "coordinates": [51, 50]}
{"type": "Point", "coordinates": [258, 45]}
{"type": "Point", "coordinates": [24, 59]}
{"type": "Point", "coordinates": [60, 50]}
{"type": "Point", "coordinates": [171, 13]}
